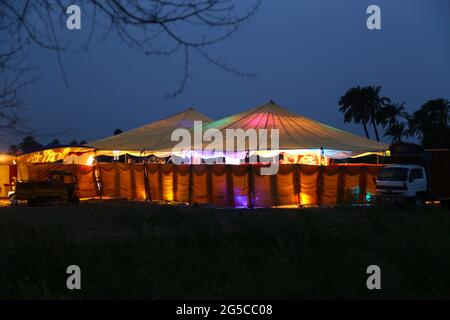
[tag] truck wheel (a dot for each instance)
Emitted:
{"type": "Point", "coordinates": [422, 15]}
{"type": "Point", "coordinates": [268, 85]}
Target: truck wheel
{"type": "Point", "coordinates": [419, 201]}
{"type": "Point", "coordinates": [445, 203]}
{"type": "Point", "coordinates": [75, 200]}
{"type": "Point", "coordinates": [45, 201]}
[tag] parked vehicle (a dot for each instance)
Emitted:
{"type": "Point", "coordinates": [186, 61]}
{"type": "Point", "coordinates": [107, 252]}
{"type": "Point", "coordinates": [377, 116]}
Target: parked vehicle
{"type": "Point", "coordinates": [416, 176]}
{"type": "Point", "coordinates": [56, 186]}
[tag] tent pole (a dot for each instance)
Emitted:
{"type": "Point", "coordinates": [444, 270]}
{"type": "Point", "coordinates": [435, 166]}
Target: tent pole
{"type": "Point", "coordinates": [190, 184]}
{"type": "Point", "coordinates": [341, 185]}
{"type": "Point", "coordinates": [297, 183]}
{"type": "Point", "coordinates": [146, 186]}
{"type": "Point", "coordinates": [174, 182]}
{"type": "Point", "coordinates": [251, 187]}
{"type": "Point", "coordinates": [209, 184]}
{"type": "Point", "coordinates": [100, 177]}
{"type": "Point", "coordinates": [133, 181]}
{"type": "Point", "coordinates": [274, 190]}
{"type": "Point", "coordinates": [229, 179]}
{"type": "Point", "coordinates": [363, 184]}
{"type": "Point", "coordinates": [117, 179]}
{"type": "Point", "coordinates": [95, 178]}
{"type": "Point", "coordinates": [320, 178]}
{"type": "Point", "coordinates": [160, 181]}
{"type": "Point", "coordinates": [319, 185]}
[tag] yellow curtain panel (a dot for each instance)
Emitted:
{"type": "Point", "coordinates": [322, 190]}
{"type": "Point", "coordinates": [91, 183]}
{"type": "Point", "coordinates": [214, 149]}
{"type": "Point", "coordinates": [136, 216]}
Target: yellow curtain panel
{"type": "Point", "coordinates": [221, 185]}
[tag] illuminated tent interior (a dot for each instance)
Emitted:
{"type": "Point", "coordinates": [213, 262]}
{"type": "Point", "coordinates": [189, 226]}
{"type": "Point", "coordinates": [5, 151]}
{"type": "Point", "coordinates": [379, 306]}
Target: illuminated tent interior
{"type": "Point", "coordinates": [148, 137]}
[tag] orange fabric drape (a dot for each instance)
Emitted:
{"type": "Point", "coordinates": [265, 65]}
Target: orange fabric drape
{"type": "Point", "coordinates": [240, 185]}
{"type": "Point", "coordinates": [87, 186]}
{"type": "Point", "coordinates": [153, 181]}
{"type": "Point", "coordinates": [262, 188]}
{"type": "Point", "coordinates": [219, 184]}
{"type": "Point", "coordinates": [182, 186]}
{"type": "Point", "coordinates": [139, 181]}
{"type": "Point", "coordinates": [167, 182]}
{"type": "Point", "coordinates": [108, 179]}
{"type": "Point", "coordinates": [352, 186]}
{"type": "Point", "coordinates": [125, 183]}
{"type": "Point", "coordinates": [199, 184]}
{"type": "Point", "coordinates": [308, 184]}
{"type": "Point", "coordinates": [39, 171]}
{"type": "Point", "coordinates": [285, 185]}
{"type": "Point", "coordinates": [330, 180]}
{"type": "Point", "coordinates": [223, 185]}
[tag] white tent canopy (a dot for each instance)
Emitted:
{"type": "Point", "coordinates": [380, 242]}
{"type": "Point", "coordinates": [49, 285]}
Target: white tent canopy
{"type": "Point", "coordinates": [148, 137]}
{"type": "Point", "coordinates": [297, 135]}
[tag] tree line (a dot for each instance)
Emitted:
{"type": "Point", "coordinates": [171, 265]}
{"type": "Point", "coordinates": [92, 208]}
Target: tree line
{"type": "Point", "coordinates": [366, 106]}
{"type": "Point", "coordinates": [29, 144]}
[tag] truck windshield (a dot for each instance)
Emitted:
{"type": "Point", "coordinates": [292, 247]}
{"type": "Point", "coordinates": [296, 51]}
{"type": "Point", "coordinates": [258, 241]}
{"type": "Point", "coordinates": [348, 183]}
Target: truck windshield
{"type": "Point", "coordinates": [396, 174]}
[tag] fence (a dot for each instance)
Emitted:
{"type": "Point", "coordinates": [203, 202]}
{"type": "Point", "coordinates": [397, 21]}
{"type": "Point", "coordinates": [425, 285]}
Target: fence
{"type": "Point", "coordinates": [222, 185]}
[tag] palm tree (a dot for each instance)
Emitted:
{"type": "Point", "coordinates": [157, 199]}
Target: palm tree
{"type": "Point", "coordinates": [391, 113]}
{"type": "Point", "coordinates": [431, 123]}
{"type": "Point", "coordinates": [374, 105]}
{"type": "Point", "coordinates": [432, 114]}
{"type": "Point", "coordinates": [392, 116]}
{"type": "Point", "coordinates": [396, 131]}
{"type": "Point", "coordinates": [364, 105]}
{"type": "Point", "coordinates": [352, 104]}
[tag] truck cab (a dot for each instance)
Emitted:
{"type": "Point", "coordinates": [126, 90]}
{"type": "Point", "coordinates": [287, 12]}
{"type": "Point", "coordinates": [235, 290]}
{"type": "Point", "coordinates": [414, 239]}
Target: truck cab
{"type": "Point", "coordinates": [407, 181]}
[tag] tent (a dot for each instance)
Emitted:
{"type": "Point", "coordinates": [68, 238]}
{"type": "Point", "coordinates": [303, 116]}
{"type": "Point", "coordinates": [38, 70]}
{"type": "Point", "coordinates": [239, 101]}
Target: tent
{"type": "Point", "coordinates": [152, 136]}
{"type": "Point", "coordinates": [7, 162]}
{"type": "Point", "coordinates": [298, 135]}
{"type": "Point", "coordinates": [54, 154]}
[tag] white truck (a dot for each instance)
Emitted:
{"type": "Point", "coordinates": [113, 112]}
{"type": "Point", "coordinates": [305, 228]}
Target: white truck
{"type": "Point", "coordinates": [426, 180]}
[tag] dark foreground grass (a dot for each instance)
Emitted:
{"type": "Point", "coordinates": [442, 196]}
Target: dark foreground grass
{"type": "Point", "coordinates": [159, 252]}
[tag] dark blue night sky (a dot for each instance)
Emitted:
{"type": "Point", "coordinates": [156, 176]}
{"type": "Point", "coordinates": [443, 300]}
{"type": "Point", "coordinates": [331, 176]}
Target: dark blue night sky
{"type": "Point", "coordinates": [307, 54]}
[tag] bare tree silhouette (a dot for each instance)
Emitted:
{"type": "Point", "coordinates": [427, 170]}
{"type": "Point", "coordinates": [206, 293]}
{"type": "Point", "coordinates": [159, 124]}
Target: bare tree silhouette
{"type": "Point", "coordinates": [15, 74]}
{"type": "Point", "coordinates": [153, 27]}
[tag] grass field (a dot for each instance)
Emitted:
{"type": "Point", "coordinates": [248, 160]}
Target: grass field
{"type": "Point", "coordinates": [133, 250]}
